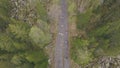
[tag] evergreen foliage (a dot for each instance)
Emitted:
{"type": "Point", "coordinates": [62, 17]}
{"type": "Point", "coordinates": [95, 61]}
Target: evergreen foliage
{"type": "Point", "coordinates": [102, 31]}
{"type": "Point", "coordinates": [22, 45]}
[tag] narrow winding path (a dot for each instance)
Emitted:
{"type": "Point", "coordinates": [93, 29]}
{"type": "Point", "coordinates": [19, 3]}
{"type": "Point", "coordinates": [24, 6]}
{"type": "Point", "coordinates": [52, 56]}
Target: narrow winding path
{"type": "Point", "coordinates": [62, 47]}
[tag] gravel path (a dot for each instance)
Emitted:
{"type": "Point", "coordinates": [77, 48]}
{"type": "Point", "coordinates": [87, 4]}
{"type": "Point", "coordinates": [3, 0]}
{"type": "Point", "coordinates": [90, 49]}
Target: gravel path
{"type": "Point", "coordinates": [62, 47]}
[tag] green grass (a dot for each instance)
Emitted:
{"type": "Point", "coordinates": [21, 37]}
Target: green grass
{"type": "Point", "coordinates": [83, 19]}
{"type": "Point", "coordinates": [6, 64]}
{"type": "Point", "coordinates": [41, 10]}
{"type": "Point", "coordinates": [79, 51]}
{"type": "Point", "coordinates": [38, 58]}
{"type": "Point", "coordinates": [72, 7]}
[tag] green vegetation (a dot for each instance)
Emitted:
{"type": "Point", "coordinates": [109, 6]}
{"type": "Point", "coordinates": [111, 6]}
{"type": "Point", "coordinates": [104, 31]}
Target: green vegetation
{"type": "Point", "coordinates": [40, 9]}
{"type": "Point", "coordinates": [24, 37]}
{"type": "Point", "coordinates": [83, 19]}
{"type": "Point", "coordinates": [22, 44]}
{"type": "Point", "coordinates": [80, 52]}
{"type": "Point", "coordinates": [101, 27]}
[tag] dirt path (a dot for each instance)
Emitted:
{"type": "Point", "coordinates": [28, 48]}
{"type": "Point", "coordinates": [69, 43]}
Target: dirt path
{"type": "Point", "coordinates": [62, 47]}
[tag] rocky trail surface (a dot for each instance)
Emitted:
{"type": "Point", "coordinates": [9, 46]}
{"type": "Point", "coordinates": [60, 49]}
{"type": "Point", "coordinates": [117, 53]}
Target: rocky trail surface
{"type": "Point", "coordinates": [62, 47]}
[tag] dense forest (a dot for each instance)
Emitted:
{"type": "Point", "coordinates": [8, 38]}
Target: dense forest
{"type": "Point", "coordinates": [27, 27]}
{"type": "Point", "coordinates": [24, 33]}
{"type": "Point", "coordinates": [98, 32]}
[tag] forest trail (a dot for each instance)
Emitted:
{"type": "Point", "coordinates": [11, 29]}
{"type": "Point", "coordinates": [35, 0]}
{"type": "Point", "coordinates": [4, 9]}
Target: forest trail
{"type": "Point", "coordinates": [62, 47]}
